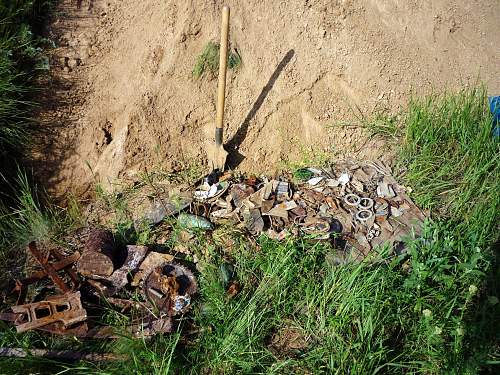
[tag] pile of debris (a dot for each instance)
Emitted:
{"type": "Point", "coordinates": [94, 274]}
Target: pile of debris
{"type": "Point", "coordinates": [357, 207]}
{"type": "Point", "coordinates": [96, 279]}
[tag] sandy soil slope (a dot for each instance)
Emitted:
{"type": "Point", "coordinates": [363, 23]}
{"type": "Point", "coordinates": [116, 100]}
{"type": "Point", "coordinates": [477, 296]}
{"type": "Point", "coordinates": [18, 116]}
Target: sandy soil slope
{"type": "Point", "coordinates": [122, 96]}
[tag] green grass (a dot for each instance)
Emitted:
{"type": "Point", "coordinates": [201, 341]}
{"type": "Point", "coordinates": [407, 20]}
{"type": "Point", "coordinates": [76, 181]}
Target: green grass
{"type": "Point", "coordinates": [208, 60]}
{"type": "Point", "coordinates": [21, 60]}
{"type": "Point", "coordinates": [383, 125]}
{"type": "Point", "coordinates": [450, 157]}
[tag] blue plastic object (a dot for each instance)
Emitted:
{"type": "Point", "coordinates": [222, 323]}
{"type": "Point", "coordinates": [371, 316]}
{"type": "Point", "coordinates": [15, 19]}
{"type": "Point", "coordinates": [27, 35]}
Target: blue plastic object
{"type": "Point", "coordinates": [495, 111]}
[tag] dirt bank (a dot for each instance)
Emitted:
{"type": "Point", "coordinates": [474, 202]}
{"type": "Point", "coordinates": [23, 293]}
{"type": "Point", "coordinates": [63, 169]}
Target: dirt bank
{"type": "Point", "coordinates": [122, 96]}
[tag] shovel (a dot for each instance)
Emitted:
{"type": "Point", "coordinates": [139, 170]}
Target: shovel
{"type": "Point", "coordinates": [216, 154]}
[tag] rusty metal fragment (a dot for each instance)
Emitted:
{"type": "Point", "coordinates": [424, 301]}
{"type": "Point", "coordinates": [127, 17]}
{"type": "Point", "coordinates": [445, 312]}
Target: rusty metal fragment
{"type": "Point", "coordinates": [115, 282]}
{"type": "Point", "coordinates": [68, 270]}
{"type": "Point", "coordinates": [170, 288]}
{"type": "Point", "coordinates": [57, 328]}
{"type": "Point", "coordinates": [282, 190]}
{"type": "Point", "coordinates": [93, 264]}
{"type": "Point", "coordinates": [66, 309]}
{"type": "Point", "coordinates": [240, 192]}
{"type": "Point", "coordinates": [253, 221]}
{"type": "Point", "coordinates": [151, 328]}
{"type": "Point", "coordinates": [48, 268]}
{"type": "Point", "coordinates": [20, 287]}
{"type": "Point", "coordinates": [98, 255]}
{"type": "Point", "coordinates": [152, 260]}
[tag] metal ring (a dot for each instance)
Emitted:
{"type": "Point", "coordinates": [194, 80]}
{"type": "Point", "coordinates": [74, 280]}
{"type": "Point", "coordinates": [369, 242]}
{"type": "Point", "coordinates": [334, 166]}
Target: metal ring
{"type": "Point", "coordinates": [347, 199]}
{"type": "Point", "coordinates": [364, 215]}
{"type": "Point", "coordinates": [367, 205]}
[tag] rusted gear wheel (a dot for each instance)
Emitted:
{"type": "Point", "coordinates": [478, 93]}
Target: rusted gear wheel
{"type": "Point", "coordinates": [171, 287]}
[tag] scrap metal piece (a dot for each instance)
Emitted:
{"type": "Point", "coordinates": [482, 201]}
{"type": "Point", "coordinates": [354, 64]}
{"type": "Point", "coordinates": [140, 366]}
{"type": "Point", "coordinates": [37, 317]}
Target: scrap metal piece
{"type": "Point", "coordinates": [267, 190]}
{"type": "Point", "coordinates": [365, 203]}
{"type": "Point", "coordinates": [330, 182]}
{"type": "Point", "coordinates": [240, 192]}
{"type": "Point", "coordinates": [221, 214]}
{"type": "Point", "coordinates": [93, 264]}
{"type": "Point", "coordinates": [362, 240]}
{"type": "Point", "coordinates": [344, 178]}
{"type": "Point", "coordinates": [213, 192]}
{"type": "Point", "coordinates": [162, 208]}
{"type": "Point", "coordinates": [381, 210]}
{"type": "Point", "coordinates": [257, 198]}
{"type": "Point", "coordinates": [152, 260]}
{"type": "Point", "coordinates": [66, 309]}
{"type": "Point", "coordinates": [385, 190]}
{"type": "Point", "coordinates": [154, 327]}
{"type": "Point", "coordinates": [21, 285]}
{"type": "Point", "coordinates": [101, 241]}
{"type": "Point", "coordinates": [282, 191]}
{"type": "Point", "coordinates": [253, 221]}
{"type": "Point", "coordinates": [98, 254]}
{"type": "Point", "coordinates": [332, 203]}
{"type": "Point", "coordinates": [315, 180]}
{"type": "Point", "coordinates": [56, 328]}
{"type": "Point", "coordinates": [48, 268]}
{"type": "Point", "coordinates": [363, 215]}
{"type": "Point", "coordinates": [396, 211]}
{"type": "Point", "coordinates": [373, 233]}
{"type": "Point", "coordinates": [287, 205]}
{"type": "Point", "coordinates": [352, 199]}
{"type": "Point", "coordinates": [277, 212]}
{"type": "Point", "coordinates": [316, 226]}
{"type": "Point", "coordinates": [171, 288]}
{"type": "Point", "coordinates": [267, 205]}
{"type": "Point", "coordinates": [357, 185]}
{"type": "Point", "coordinates": [68, 270]}
{"type": "Point", "coordinates": [135, 254]}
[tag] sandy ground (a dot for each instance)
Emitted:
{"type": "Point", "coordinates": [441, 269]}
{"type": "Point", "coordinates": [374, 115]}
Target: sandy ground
{"type": "Point", "coordinates": [122, 98]}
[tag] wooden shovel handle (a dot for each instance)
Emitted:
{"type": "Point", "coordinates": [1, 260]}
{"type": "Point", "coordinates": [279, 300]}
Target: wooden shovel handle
{"type": "Point", "coordinates": [221, 87]}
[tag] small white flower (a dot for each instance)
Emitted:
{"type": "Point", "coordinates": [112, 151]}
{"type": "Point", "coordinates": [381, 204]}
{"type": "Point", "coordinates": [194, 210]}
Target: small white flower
{"type": "Point", "coordinates": [427, 313]}
{"type": "Point", "coordinates": [438, 330]}
{"type": "Point", "coordinates": [460, 331]}
{"type": "Point", "coordinates": [472, 289]}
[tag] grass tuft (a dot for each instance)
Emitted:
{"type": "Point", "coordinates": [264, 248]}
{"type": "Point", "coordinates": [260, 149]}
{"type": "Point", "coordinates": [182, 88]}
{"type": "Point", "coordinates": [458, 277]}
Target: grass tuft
{"type": "Point", "coordinates": [208, 60]}
{"type": "Point", "coordinates": [451, 158]}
